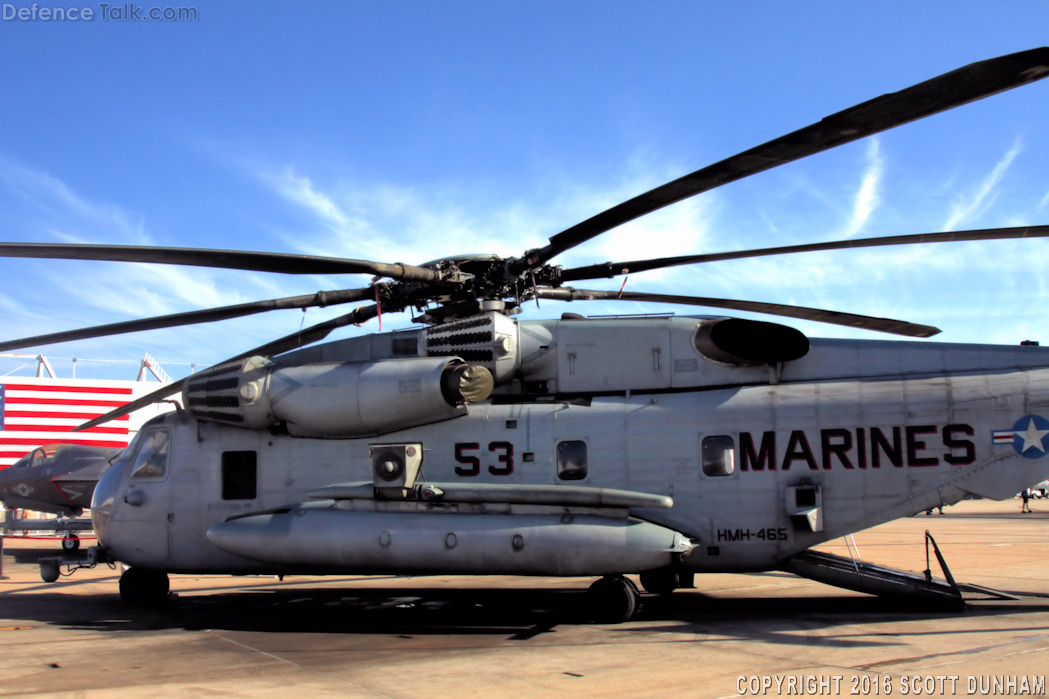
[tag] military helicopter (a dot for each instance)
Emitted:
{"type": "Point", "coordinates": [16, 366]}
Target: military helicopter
{"type": "Point", "coordinates": [483, 444]}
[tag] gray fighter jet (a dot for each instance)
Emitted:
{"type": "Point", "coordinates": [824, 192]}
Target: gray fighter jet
{"type": "Point", "coordinates": [55, 478]}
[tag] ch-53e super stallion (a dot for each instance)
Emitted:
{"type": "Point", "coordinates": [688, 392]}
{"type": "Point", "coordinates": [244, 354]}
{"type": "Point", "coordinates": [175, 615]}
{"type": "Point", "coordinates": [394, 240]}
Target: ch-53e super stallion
{"type": "Point", "coordinates": [483, 444]}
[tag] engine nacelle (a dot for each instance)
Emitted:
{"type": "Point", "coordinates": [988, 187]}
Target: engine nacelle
{"type": "Point", "coordinates": [739, 342]}
{"type": "Point", "coordinates": [348, 399]}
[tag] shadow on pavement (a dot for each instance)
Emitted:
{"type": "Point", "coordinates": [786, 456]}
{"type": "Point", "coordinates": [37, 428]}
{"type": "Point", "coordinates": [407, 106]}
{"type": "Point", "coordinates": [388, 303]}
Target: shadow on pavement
{"type": "Point", "coordinates": [515, 614]}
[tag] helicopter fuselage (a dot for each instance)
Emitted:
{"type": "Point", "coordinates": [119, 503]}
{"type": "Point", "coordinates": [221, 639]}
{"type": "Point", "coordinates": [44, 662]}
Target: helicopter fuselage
{"type": "Point", "coordinates": [787, 456]}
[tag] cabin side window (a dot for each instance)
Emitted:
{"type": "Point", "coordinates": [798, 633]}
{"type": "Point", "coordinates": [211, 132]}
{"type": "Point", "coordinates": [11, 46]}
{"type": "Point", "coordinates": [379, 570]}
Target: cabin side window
{"type": "Point", "coordinates": [151, 461]}
{"type": "Point", "coordinates": [571, 460]}
{"type": "Point", "coordinates": [239, 475]}
{"type": "Point", "coordinates": [719, 455]}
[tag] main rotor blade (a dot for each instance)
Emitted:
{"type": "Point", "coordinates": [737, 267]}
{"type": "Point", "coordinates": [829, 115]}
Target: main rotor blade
{"type": "Point", "coordinates": [611, 269]}
{"type": "Point", "coordinates": [280, 262]}
{"type": "Point", "coordinates": [961, 86]}
{"type": "Point", "coordinates": [849, 320]}
{"type": "Point", "coordinates": [284, 344]}
{"type": "Point", "coordinates": [209, 315]}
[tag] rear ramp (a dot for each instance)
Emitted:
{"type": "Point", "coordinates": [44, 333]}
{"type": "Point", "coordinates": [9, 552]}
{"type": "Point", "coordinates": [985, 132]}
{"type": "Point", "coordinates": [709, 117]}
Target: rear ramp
{"type": "Point", "coordinates": [872, 579]}
{"type": "Point", "coordinates": [861, 576]}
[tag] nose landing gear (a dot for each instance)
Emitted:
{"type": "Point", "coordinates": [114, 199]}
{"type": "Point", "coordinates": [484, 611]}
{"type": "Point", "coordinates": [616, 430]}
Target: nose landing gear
{"type": "Point", "coordinates": [144, 587]}
{"type": "Point", "coordinates": [71, 542]}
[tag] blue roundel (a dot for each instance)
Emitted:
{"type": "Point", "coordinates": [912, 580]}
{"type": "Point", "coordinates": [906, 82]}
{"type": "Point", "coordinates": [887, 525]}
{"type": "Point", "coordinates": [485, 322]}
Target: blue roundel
{"type": "Point", "coordinates": [1031, 436]}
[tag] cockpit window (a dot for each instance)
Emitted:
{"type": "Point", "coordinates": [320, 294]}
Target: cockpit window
{"type": "Point", "coordinates": [42, 454]}
{"type": "Point", "coordinates": [151, 461]}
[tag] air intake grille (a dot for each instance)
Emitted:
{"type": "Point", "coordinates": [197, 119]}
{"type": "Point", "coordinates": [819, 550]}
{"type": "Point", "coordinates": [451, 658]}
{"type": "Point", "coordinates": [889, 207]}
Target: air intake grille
{"type": "Point", "coordinates": [485, 340]}
{"type": "Point", "coordinates": [461, 325]}
{"type": "Point", "coordinates": [459, 339]}
{"type": "Point", "coordinates": [469, 355]}
{"type": "Point", "coordinates": [213, 396]}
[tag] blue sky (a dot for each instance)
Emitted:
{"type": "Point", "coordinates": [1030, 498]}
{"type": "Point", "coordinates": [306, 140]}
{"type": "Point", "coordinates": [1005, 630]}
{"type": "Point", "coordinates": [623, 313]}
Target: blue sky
{"type": "Point", "coordinates": [414, 130]}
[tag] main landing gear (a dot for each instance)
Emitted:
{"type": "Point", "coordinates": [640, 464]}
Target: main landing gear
{"type": "Point", "coordinates": [613, 600]}
{"type": "Point", "coordinates": [144, 587]}
{"type": "Point", "coordinates": [660, 582]}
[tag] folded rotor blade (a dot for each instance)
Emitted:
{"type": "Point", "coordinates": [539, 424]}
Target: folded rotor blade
{"type": "Point", "coordinates": [611, 269]}
{"type": "Point", "coordinates": [284, 344]}
{"type": "Point", "coordinates": [210, 315]}
{"type": "Point", "coordinates": [967, 84]}
{"type": "Point", "coordinates": [849, 320]}
{"type": "Point", "coordinates": [283, 263]}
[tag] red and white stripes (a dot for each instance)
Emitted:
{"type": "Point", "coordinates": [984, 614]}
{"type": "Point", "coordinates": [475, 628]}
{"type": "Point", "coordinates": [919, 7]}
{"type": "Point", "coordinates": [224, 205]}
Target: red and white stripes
{"type": "Point", "coordinates": [37, 411]}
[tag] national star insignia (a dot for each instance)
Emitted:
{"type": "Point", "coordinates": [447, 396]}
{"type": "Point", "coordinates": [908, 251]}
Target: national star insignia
{"type": "Point", "coordinates": [1032, 437]}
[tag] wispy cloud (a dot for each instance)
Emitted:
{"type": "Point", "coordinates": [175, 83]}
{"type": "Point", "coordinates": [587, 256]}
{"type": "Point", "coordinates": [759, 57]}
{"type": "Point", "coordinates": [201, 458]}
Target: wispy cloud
{"type": "Point", "coordinates": [391, 223]}
{"type": "Point", "coordinates": [867, 196]}
{"type": "Point", "coordinates": [301, 190]}
{"type": "Point", "coordinates": [1042, 204]}
{"type": "Point", "coordinates": [56, 200]}
{"type": "Point", "coordinates": [44, 296]}
{"type": "Point", "coordinates": [967, 208]}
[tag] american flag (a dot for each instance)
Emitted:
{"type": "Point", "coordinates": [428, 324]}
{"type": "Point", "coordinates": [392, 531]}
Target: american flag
{"type": "Point", "coordinates": [37, 411]}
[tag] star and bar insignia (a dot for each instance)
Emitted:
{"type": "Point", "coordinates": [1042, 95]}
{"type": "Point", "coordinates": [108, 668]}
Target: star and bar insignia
{"type": "Point", "coordinates": [1028, 436]}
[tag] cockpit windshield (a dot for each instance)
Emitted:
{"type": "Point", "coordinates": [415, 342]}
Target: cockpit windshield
{"type": "Point", "coordinates": [151, 461]}
{"type": "Point", "coordinates": [43, 454]}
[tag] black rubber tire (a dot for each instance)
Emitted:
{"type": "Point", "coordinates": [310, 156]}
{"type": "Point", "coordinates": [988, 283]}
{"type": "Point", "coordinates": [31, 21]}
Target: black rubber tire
{"type": "Point", "coordinates": [144, 587]}
{"type": "Point", "coordinates": [71, 543]}
{"type": "Point", "coordinates": [49, 571]}
{"type": "Point", "coordinates": [660, 582]}
{"type": "Point", "coordinates": [612, 600]}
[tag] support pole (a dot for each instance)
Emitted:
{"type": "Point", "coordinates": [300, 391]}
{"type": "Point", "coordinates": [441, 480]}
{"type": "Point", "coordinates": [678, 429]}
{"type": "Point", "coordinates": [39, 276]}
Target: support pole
{"type": "Point", "coordinates": [7, 514]}
{"type": "Point", "coordinates": [943, 565]}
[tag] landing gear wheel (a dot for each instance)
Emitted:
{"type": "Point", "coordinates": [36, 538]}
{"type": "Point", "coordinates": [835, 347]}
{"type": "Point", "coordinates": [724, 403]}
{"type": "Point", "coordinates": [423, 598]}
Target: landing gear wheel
{"type": "Point", "coordinates": [612, 600]}
{"type": "Point", "coordinates": [144, 587]}
{"type": "Point", "coordinates": [660, 582]}
{"type": "Point", "coordinates": [71, 543]}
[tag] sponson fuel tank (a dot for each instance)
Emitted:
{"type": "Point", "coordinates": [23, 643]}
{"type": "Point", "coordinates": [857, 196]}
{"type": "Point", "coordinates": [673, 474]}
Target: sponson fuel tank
{"type": "Point", "coordinates": [331, 539]}
{"type": "Point", "coordinates": [342, 399]}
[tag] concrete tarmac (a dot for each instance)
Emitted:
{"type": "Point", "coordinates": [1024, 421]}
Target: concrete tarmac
{"type": "Point", "coordinates": [524, 637]}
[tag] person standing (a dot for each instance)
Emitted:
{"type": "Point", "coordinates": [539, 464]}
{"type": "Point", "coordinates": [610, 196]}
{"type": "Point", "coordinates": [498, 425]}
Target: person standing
{"type": "Point", "coordinates": [1026, 495]}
